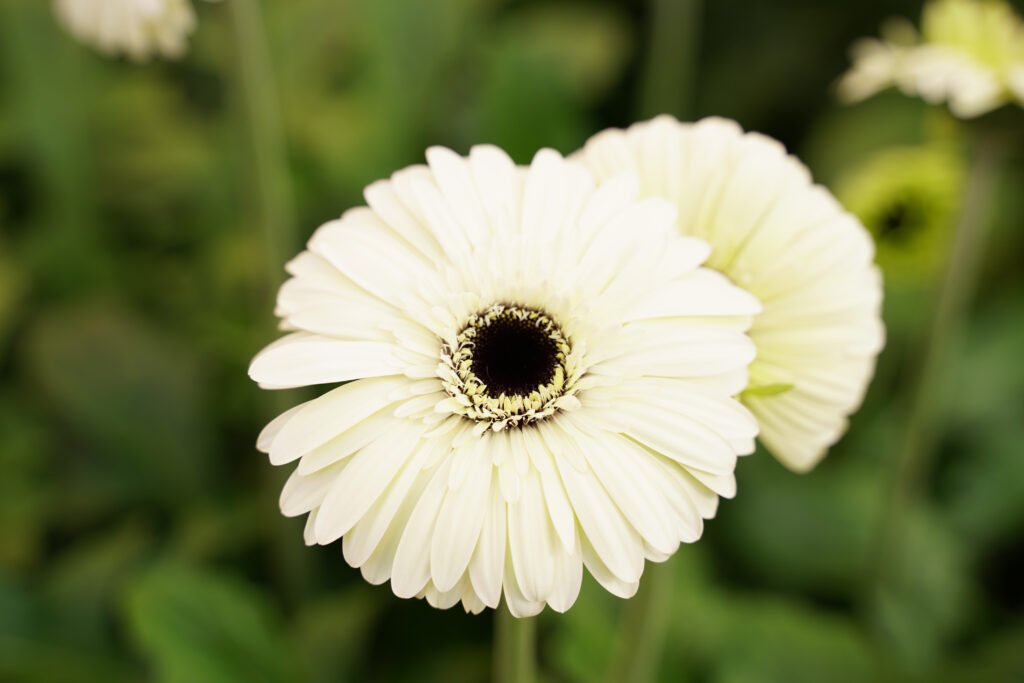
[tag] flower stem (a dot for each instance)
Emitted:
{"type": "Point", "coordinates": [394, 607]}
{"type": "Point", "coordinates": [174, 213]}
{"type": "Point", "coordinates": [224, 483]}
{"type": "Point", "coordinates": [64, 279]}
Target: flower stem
{"type": "Point", "coordinates": [668, 86]}
{"type": "Point", "coordinates": [267, 165]}
{"type": "Point", "coordinates": [264, 180]}
{"type": "Point", "coordinates": [669, 76]}
{"type": "Point", "coordinates": [514, 648]}
{"type": "Point", "coordinates": [914, 461]}
{"type": "Point", "coordinates": [642, 627]}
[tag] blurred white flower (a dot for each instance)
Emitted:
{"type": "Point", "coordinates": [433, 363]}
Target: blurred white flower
{"type": "Point", "coordinates": [136, 28]}
{"type": "Point", "coordinates": [542, 380]}
{"type": "Point", "coordinates": [970, 54]}
{"type": "Point", "coordinates": [787, 241]}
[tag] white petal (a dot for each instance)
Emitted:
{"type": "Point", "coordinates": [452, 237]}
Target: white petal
{"type": "Point", "coordinates": [454, 179]}
{"type": "Point", "coordinates": [674, 435]}
{"type": "Point", "coordinates": [666, 350]}
{"type": "Point", "coordinates": [604, 576]}
{"type": "Point", "coordinates": [498, 183]}
{"type": "Point", "coordinates": [377, 568]}
{"type": "Point", "coordinates": [365, 249]}
{"type": "Point", "coordinates": [516, 602]}
{"type": "Point", "coordinates": [488, 563]}
{"type": "Point", "coordinates": [383, 199]}
{"type": "Point", "coordinates": [460, 521]}
{"type": "Point", "coordinates": [701, 293]}
{"type": "Point", "coordinates": [411, 570]}
{"type": "Point", "coordinates": [302, 493]}
{"type": "Point", "coordinates": [637, 496]}
{"type": "Point", "coordinates": [269, 433]}
{"type": "Point", "coordinates": [532, 541]}
{"type": "Point", "coordinates": [568, 579]}
{"type": "Point", "coordinates": [301, 359]}
{"type": "Point", "coordinates": [555, 497]}
{"type": "Point", "coordinates": [364, 477]}
{"type": "Point", "coordinates": [350, 441]}
{"type": "Point", "coordinates": [325, 417]}
{"type": "Point", "coordinates": [369, 532]}
{"type": "Point", "coordinates": [614, 540]}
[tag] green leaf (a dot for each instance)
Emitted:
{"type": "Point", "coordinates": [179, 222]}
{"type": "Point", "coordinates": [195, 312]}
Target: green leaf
{"type": "Point", "coordinates": [930, 600]}
{"type": "Point", "coordinates": [195, 626]}
{"type": "Point", "coordinates": [832, 516]}
{"type": "Point", "coordinates": [30, 651]}
{"type": "Point", "coordinates": [783, 641]}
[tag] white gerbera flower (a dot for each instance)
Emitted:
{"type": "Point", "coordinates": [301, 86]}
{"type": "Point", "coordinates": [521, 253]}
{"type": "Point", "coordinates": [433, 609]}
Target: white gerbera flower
{"type": "Point", "coordinates": [790, 244]}
{"type": "Point", "coordinates": [136, 28]}
{"type": "Point", "coordinates": [970, 54]}
{"type": "Point", "coordinates": [542, 381]}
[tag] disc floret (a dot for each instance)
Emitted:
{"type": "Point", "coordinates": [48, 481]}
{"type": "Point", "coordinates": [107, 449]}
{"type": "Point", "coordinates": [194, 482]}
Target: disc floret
{"type": "Point", "coordinates": [510, 366]}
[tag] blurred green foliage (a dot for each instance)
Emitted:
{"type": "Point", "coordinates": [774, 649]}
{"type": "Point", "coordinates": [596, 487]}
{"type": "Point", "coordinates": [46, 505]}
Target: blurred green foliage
{"type": "Point", "coordinates": [139, 534]}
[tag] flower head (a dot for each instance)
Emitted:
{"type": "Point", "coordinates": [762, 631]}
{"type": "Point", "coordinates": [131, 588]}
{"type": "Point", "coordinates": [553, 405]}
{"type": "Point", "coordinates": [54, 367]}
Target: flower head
{"type": "Point", "coordinates": [970, 54]}
{"type": "Point", "coordinates": [790, 244]}
{"type": "Point", "coordinates": [136, 28]}
{"type": "Point", "coordinates": [907, 197]}
{"type": "Point", "coordinates": [541, 377]}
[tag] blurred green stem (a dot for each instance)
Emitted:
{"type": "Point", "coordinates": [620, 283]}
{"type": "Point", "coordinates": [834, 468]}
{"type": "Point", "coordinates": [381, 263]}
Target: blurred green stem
{"type": "Point", "coordinates": [265, 184]}
{"type": "Point", "coordinates": [52, 120]}
{"type": "Point", "coordinates": [922, 426]}
{"type": "Point", "coordinates": [668, 86]}
{"type": "Point", "coordinates": [514, 648]}
{"type": "Point", "coordinates": [645, 617]}
{"type": "Point", "coordinates": [669, 77]}
{"type": "Point", "coordinates": [268, 180]}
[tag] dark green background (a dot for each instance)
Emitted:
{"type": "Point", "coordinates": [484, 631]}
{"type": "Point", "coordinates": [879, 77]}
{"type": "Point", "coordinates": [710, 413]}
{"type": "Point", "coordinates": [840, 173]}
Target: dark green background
{"type": "Point", "coordinates": [139, 531]}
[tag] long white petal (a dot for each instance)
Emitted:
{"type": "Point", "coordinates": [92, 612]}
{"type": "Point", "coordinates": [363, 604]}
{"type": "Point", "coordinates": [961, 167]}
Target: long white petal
{"type": "Point", "coordinates": [325, 417]}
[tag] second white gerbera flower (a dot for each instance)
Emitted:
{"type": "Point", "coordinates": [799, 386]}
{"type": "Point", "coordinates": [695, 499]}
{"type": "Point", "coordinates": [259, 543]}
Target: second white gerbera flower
{"type": "Point", "coordinates": [787, 241]}
{"type": "Point", "coordinates": [542, 380]}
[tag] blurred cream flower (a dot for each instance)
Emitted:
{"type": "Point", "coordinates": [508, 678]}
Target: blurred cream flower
{"type": "Point", "coordinates": [790, 244]}
{"type": "Point", "coordinates": [970, 54]}
{"type": "Point", "coordinates": [542, 380]}
{"type": "Point", "coordinates": [908, 197]}
{"type": "Point", "coordinates": [136, 28]}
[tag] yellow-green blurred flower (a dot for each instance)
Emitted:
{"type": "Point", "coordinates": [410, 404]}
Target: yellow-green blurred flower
{"type": "Point", "coordinates": [908, 198]}
{"type": "Point", "coordinates": [970, 54]}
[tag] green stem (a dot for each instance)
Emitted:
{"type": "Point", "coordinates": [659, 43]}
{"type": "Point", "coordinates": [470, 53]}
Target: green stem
{"type": "Point", "coordinates": [266, 189]}
{"type": "Point", "coordinates": [668, 87]}
{"type": "Point", "coordinates": [642, 628]}
{"type": "Point", "coordinates": [268, 181]}
{"type": "Point", "coordinates": [514, 648]}
{"type": "Point", "coordinates": [669, 76]}
{"type": "Point", "coordinates": [921, 428]}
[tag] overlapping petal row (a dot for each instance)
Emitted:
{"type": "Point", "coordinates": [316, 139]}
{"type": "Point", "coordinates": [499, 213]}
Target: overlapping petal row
{"type": "Point", "coordinates": [787, 241]}
{"type": "Point", "coordinates": [452, 507]}
{"type": "Point", "coordinates": [136, 28]}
